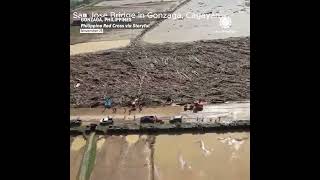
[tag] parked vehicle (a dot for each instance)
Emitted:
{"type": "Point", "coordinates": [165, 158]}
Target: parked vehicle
{"type": "Point", "coordinates": [150, 119]}
{"type": "Point", "coordinates": [106, 121]}
{"type": "Point", "coordinates": [176, 119]}
{"type": "Point", "coordinates": [75, 122]}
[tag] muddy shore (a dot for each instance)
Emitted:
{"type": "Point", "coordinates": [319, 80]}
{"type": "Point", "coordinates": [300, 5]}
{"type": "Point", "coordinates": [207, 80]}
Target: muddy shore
{"type": "Point", "coordinates": [217, 70]}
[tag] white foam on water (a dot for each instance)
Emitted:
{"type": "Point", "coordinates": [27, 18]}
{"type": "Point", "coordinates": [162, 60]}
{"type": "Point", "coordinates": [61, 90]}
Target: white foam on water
{"type": "Point", "coordinates": [146, 149]}
{"type": "Point", "coordinates": [144, 137]}
{"type": "Point", "coordinates": [148, 163]}
{"type": "Point", "coordinates": [235, 143]}
{"type": "Point", "coordinates": [205, 151]}
{"type": "Point", "coordinates": [183, 163]}
{"type": "Point", "coordinates": [156, 172]}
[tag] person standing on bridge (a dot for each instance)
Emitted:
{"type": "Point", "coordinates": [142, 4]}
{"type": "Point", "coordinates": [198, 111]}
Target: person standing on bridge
{"type": "Point", "coordinates": [107, 103]}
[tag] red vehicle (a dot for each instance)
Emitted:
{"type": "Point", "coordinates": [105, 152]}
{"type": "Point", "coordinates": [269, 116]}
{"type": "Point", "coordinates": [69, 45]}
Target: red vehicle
{"type": "Point", "coordinates": [198, 105]}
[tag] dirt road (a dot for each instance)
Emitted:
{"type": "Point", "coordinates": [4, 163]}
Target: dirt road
{"type": "Point", "coordinates": [211, 112]}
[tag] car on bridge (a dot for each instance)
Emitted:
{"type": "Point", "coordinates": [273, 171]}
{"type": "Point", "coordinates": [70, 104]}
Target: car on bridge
{"type": "Point", "coordinates": [75, 122]}
{"type": "Point", "coordinates": [176, 119]}
{"type": "Point", "coordinates": [150, 119]}
{"type": "Point", "coordinates": [106, 121]}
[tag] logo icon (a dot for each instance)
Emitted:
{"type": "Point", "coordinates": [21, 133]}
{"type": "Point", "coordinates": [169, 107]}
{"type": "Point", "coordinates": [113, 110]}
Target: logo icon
{"type": "Point", "coordinates": [225, 22]}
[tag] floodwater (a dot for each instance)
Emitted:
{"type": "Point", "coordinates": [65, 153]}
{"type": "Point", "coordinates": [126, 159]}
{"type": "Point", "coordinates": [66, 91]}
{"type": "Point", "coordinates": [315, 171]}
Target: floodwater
{"type": "Point", "coordinates": [141, 6]}
{"type": "Point", "coordinates": [128, 2]}
{"type": "Point", "coordinates": [121, 157]}
{"type": "Point", "coordinates": [218, 156]}
{"type": "Point", "coordinates": [77, 148]}
{"type": "Point", "coordinates": [191, 29]}
{"type": "Point", "coordinates": [127, 6]}
{"type": "Point", "coordinates": [132, 139]}
{"type": "Point", "coordinates": [97, 46]}
{"type": "Point", "coordinates": [71, 140]}
{"type": "Point", "coordinates": [203, 157]}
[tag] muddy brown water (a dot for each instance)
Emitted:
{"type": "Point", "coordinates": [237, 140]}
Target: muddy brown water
{"type": "Point", "coordinates": [77, 148]}
{"type": "Point", "coordinates": [97, 46]}
{"type": "Point", "coordinates": [71, 140]}
{"type": "Point", "coordinates": [127, 6]}
{"type": "Point", "coordinates": [122, 158]}
{"type": "Point", "coordinates": [132, 3]}
{"type": "Point", "coordinates": [202, 157]}
{"type": "Point", "coordinates": [208, 156]}
{"type": "Point", "coordinates": [170, 30]}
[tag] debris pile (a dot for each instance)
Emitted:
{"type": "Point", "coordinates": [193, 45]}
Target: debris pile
{"type": "Point", "coordinates": [215, 70]}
